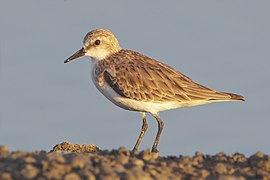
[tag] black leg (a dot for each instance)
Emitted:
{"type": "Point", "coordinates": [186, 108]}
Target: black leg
{"type": "Point", "coordinates": [144, 128]}
{"type": "Point", "coordinates": [160, 128]}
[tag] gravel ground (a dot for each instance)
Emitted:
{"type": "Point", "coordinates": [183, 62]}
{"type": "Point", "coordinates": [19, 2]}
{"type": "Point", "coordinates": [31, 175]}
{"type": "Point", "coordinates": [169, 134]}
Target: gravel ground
{"type": "Point", "coordinates": [73, 162]}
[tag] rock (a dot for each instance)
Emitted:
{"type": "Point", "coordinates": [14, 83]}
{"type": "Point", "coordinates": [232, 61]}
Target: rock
{"type": "Point", "coordinates": [204, 173]}
{"type": "Point", "coordinates": [148, 155]}
{"type": "Point", "coordinates": [56, 171]}
{"type": "Point", "coordinates": [110, 177]}
{"type": "Point", "coordinates": [229, 177]}
{"type": "Point", "coordinates": [4, 149]}
{"type": "Point", "coordinates": [78, 163]}
{"type": "Point", "coordinates": [5, 176]}
{"type": "Point", "coordinates": [238, 158]}
{"type": "Point", "coordinates": [29, 171]}
{"type": "Point", "coordinates": [137, 162]}
{"type": "Point", "coordinates": [29, 160]}
{"type": "Point", "coordinates": [259, 154]}
{"type": "Point", "coordinates": [124, 151]}
{"type": "Point", "coordinates": [68, 147]}
{"type": "Point", "coordinates": [72, 176]}
{"type": "Point", "coordinates": [122, 159]}
{"type": "Point", "coordinates": [220, 168]}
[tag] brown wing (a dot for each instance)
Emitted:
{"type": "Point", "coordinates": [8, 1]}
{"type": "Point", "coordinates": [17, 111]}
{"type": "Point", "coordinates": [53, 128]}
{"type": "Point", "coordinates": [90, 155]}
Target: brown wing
{"type": "Point", "coordinates": [139, 77]}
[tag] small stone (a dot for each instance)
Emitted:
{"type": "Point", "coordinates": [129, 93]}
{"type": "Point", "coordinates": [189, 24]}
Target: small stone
{"type": "Point", "coordinates": [265, 165]}
{"type": "Point", "coordinates": [256, 158]}
{"type": "Point", "coordinates": [124, 151]}
{"type": "Point", "coordinates": [56, 171]}
{"type": "Point", "coordinates": [68, 147]}
{"type": "Point", "coordinates": [90, 176]}
{"type": "Point", "coordinates": [18, 155]}
{"type": "Point", "coordinates": [259, 154]}
{"type": "Point", "coordinates": [148, 155]}
{"type": "Point", "coordinates": [79, 161]}
{"type": "Point", "coordinates": [189, 169]}
{"type": "Point", "coordinates": [118, 168]}
{"type": "Point", "coordinates": [29, 171]}
{"type": "Point", "coordinates": [198, 158]}
{"type": "Point", "coordinates": [204, 173]}
{"type": "Point", "coordinates": [56, 157]}
{"type": "Point", "coordinates": [109, 177]}
{"type": "Point", "coordinates": [221, 156]}
{"type": "Point", "coordinates": [29, 160]}
{"type": "Point", "coordinates": [44, 165]}
{"type": "Point", "coordinates": [122, 159]}
{"type": "Point", "coordinates": [137, 162]}
{"type": "Point", "coordinates": [5, 176]}
{"type": "Point", "coordinates": [239, 158]}
{"type": "Point", "coordinates": [106, 168]}
{"type": "Point", "coordinates": [220, 168]}
{"type": "Point", "coordinates": [72, 176]}
{"type": "Point", "coordinates": [229, 177]}
{"type": "Point", "coordinates": [4, 149]}
{"type": "Point", "coordinates": [135, 175]}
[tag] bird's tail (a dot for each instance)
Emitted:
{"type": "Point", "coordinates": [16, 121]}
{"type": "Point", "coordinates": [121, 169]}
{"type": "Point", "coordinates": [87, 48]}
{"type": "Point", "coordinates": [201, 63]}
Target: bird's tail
{"type": "Point", "coordinates": [235, 96]}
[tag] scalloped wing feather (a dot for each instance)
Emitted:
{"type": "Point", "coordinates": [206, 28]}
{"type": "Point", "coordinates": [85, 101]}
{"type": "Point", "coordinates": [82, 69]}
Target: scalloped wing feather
{"type": "Point", "coordinates": [142, 78]}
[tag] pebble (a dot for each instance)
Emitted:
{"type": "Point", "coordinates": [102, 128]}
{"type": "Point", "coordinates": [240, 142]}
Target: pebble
{"type": "Point", "coordinates": [137, 162]}
{"type": "Point", "coordinates": [5, 176]}
{"type": "Point", "coordinates": [238, 158]}
{"type": "Point", "coordinates": [122, 159]}
{"type": "Point", "coordinates": [79, 163]}
{"type": "Point", "coordinates": [30, 159]}
{"type": "Point", "coordinates": [29, 172]}
{"type": "Point", "coordinates": [220, 168]}
{"type": "Point", "coordinates": [229, 177]}
{"type": "Point", "coordinates": [4, 149]}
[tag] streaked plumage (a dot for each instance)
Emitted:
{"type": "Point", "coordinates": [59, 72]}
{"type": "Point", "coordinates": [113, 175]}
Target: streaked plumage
{"type": "Point", "coordinates": [137, 82]}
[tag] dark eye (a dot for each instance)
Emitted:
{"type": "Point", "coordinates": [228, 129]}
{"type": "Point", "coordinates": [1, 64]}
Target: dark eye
{"type": "Point", "coordinates": [97, 42]}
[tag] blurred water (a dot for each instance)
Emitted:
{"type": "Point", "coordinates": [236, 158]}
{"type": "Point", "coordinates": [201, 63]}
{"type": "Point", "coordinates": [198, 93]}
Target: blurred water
{"type": "Point", "coordinates": [221, 44]}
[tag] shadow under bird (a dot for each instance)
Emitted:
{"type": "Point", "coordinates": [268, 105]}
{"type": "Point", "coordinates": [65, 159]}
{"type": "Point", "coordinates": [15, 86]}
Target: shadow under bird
{"type": "Point", "coordinates": [137, 82]}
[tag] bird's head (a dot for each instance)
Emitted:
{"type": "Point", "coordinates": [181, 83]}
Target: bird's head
{"type": "Point", "coordinates": [98, 44]}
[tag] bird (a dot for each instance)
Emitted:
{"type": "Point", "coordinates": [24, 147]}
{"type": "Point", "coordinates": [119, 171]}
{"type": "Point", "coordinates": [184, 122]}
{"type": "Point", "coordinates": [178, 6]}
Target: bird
{"type": "Point", "coordinates": [136, 82]}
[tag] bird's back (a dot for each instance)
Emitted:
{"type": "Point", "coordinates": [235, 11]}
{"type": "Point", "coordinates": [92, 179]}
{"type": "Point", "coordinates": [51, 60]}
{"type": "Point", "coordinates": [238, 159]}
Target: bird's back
{"type": "Point", "coordinates": [139, 77]}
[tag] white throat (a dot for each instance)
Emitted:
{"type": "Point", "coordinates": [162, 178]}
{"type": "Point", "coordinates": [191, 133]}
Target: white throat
{"type": "Point", "coordinates": [97, 55]}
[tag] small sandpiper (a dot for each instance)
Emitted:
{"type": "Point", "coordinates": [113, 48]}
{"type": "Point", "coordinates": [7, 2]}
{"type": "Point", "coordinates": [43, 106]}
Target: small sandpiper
{"type": "Point", "coordinates": [137, 82]}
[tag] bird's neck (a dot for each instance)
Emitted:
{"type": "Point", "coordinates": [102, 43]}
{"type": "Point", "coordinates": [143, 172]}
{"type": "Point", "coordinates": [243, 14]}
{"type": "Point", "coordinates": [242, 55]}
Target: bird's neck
{"type": "Point", "coordinates": [103, 54]}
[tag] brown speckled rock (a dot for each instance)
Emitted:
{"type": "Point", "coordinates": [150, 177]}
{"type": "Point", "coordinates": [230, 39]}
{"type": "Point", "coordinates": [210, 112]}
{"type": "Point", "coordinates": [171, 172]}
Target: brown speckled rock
{"type": "Point", "coordinates": [68, 147]}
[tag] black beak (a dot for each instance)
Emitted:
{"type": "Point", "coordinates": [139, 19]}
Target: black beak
{"type": "Point", "coordinates": [77, 54]}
